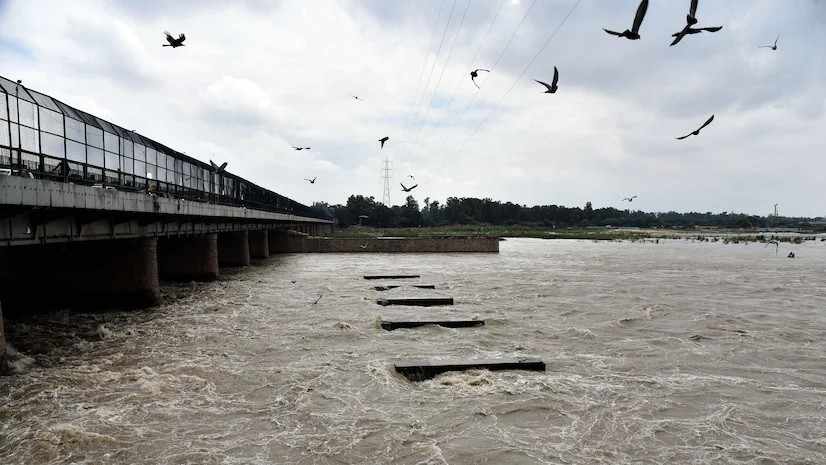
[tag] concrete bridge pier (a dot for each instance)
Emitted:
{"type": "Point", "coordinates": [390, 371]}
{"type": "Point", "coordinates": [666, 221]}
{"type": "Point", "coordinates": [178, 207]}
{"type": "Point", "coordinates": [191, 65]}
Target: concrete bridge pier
{"type": "Point", "coordinates": [121, 273]}
{"type": "Point", "coordinates": [277, 240]}
{"type": "Point", "coordinates": [86, 275]}
{"type": "Point", "coordinates": [259, 244]}
{"type": "Point", "coordinates": [193, 258]}
{"type": "Point", "coordinates": [234, 248]}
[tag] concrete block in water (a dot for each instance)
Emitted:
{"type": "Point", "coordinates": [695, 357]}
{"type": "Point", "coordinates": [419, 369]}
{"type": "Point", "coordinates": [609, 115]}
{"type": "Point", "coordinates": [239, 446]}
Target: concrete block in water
{"type": "Point", "coordinates": [395, 286]}
{"type": "Point", "coordinates": [394, 325]}
{"type": "Point", "coordinates": [420, 370]}
{"type": "Point", "coordinates": [417, 301]}
{"type": "Point", "coordinates": [392, 276]}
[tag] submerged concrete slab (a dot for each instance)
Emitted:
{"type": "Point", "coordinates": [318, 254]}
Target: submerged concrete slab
{"type": "Point", "coordinates": [417, 301]}
{"type": "Point", "coordinates": [396, 286]}
{"type": "Point", "coordinates": [420, 370]}
{"type": "Point", "coordinates": [392, 276]}
{"type": "Point", "coordinates": [394, 324]}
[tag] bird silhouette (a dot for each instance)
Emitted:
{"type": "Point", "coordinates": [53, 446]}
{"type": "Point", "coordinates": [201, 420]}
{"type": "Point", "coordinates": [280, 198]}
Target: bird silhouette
{"type": "Point", "coordinates": [634, 33]}
{"type": "Point", "coordinates": [688, 30]}
{"type": "Point", "coordinates": [382, 141]}
{"type": "Point", "coordinates": [408, 189]}
{"type": "Point", "coordinates": [697, 131]}
{"type": "Point", "coordinates": [301, 148]}
{"type": "Point", "coordinates": [363, 246]}
{"type": "Point", "coordinates": [356, 97]}
{"type": "Point", "coordinates": [173, 42]}
{"type": "Point", "coordinates": [776, 246]}
{"type": "Point", "coordinates": [691, 17]}
{"type": "Point", "coordinates": [630, 199]}
{"type": "Point", "coordinates": [311, 181]}
{"type": "Point", "coordinates": [552, 87]}
{"type": "Point", "coordinates": [475, 74]}
{"type": "Point", "coordinates": [773, 47]}
{"type": "Point", "coordinates": [218, 169]}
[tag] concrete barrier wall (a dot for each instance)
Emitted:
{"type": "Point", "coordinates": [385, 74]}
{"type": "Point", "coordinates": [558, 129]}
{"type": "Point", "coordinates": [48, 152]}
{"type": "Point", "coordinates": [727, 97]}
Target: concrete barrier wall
{"type": "Point", "coordinates": [301, 243]}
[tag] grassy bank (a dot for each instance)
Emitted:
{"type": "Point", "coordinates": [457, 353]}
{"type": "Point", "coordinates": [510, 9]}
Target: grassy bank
{"type": "Point", "coordinates": [599, 234]}
{"type": "Point", "coordinates": [604, 234]}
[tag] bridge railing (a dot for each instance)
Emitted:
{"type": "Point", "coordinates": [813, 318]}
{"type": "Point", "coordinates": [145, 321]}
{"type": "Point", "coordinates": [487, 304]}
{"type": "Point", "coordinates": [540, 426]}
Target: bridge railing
{"type": "Point", "coordinates": [43, 137]}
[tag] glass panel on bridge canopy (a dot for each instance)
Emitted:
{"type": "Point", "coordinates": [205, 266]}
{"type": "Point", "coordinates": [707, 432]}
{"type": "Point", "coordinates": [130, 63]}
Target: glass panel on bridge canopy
{"type": "Point", "coordinates": [140, 153]}
{"type": "Point", "coordinates": [111, 161]}
{"type": "Point", "coordinates": [94, 156]}
{"type": "Point", "coordinates": [111, 142]}
{"type": "Point", "coordinates": [4, 134]}
{"type": "Point", "coordinates": [140, 168]}
{"type": "Point", "coordinates": [27, 113]}
{"type": "Point", "coordinates": [75, 130]}
{"type": "Point", "coordinates": [3, 101]}
{"type": "Point", "coordinates": [151, 171]}
{"type": "Point", "coordinates": [51, 121]}
{"type": "Point", "coordinates": [52, 145]}
{"type": "Point", "coordinates": [87, 118]}
{"type": "Point", "coordinates": [44, 100]}
{"type": "Point", "coordinates": [127, 165]}
{"type": "Point", "coordinates": [94, 137]}
{"type": "Point", "coordinates": [151, 156]}
{"type": "Point", "coordinates": [75, 151]}
{"type": "Point", "coordinates": [127, 147]}
{"type": "Point", "coordinates": [67, 110]}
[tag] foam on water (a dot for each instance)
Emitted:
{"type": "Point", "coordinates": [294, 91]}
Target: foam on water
{"type": "Point", "coordinates": [248, 370]}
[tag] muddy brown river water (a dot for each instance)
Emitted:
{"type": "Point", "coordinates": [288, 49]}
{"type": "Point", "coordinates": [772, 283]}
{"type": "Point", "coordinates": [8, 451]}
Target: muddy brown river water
{"type": "Point", "coordinates": [677, 352]}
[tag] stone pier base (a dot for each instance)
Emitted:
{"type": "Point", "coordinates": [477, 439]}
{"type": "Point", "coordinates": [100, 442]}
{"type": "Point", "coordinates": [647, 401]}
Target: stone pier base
{"type": "Point", "coordinates": [192, 258]}
{"type": "Point", "coordinates": [119, 273]}
{"type": "Point", "coordinates": [234, 249]}
{"type": "Point", "coordinates": [259, 244]}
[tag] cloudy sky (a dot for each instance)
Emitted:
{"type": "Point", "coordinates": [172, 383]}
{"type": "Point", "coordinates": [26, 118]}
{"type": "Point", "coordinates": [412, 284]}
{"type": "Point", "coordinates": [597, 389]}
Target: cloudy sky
{"type": "Point", "coordinates": [259, 76]}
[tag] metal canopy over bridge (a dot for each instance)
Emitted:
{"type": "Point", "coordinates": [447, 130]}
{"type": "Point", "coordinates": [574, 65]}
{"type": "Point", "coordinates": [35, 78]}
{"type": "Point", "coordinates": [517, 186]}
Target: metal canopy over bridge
{"type": "Point", "coordinates": [42, 137]}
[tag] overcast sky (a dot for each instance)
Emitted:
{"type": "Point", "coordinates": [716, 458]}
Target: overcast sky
{"type": "Point", "coordinates": [256, 77]}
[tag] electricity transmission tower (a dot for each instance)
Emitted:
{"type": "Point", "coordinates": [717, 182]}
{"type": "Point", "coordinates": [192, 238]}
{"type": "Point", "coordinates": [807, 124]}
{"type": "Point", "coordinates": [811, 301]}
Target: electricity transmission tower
{"type": "Point", "coordinates": [385, 197]}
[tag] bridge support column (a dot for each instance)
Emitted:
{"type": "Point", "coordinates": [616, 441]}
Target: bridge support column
{"type": "Point", "coordinates": [114, 273]}
{"type": "Point", "coordinates": [259, 244]}
{"type": "Point", "coordinates": [192, 258]}
{"type": "Point", "coordinates": [278, 241]}
{"type": "Point", "coordinates": [2, 343]}
{"type": "Point", "coordinates": [234, 248]}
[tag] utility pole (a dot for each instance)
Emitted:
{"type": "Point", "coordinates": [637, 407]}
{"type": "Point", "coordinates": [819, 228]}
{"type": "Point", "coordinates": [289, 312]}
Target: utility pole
{"type": "Point", "coordinates": [385, 197]}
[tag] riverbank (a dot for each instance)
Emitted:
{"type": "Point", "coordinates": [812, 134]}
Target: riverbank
{"type": "Point", "coordinates": [590, 233]}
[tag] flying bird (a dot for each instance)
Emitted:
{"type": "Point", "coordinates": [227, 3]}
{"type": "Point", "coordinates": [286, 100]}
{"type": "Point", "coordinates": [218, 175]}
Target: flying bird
{"type": "Point", "coordinates": [552, 87]}
{"type": "Point", "coordinates": [173, 42]}
{"type": "Point", "coordinates": [311, 181]}
{"type": "Point", "coordinates": [688, 30]}
{"type": "Point", "coordinates": [776, 246]}
{"type": "Point", "coordinates": [382, 141]}
{"type": "Point", "coordinates": [408, 189]}
{"type": "Point", "coordinates": [216, 168]}
{"type": "Point", "coordinates": [475, 74]}
{"type": "Point", "coordinates": [356, 97]}
{"type": "Point", "coordinates": [301, 148]}
{"type": "Point", "coordinates": [773, 47]}
{"type": "Point", "coordinates": [697, 132]}
{"type": "Point", "coordinates": [634, 33]}
{"type": "Point", "coordinates": [630, 199]}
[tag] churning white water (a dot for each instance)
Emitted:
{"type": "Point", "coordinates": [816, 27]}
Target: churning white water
{"type": "Point", "coordinates": [677, 352]}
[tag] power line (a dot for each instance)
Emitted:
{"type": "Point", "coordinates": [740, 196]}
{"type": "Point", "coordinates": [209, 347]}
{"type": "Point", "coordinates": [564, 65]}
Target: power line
{"type": "Point", "coordinates": [524, 71]}
{"type": "Point", "coordinates": [502, 52]}
{"type": "Point", "coordinates": [447, 62]}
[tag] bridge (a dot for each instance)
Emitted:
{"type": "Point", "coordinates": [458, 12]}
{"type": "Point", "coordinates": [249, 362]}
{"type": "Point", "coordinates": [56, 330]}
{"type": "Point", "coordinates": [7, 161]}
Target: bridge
{"type": "Point", "coordinates": [95, 214]}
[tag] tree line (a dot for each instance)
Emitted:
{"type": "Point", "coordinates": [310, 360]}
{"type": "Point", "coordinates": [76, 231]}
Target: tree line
{"type": "Point", "coordinates": [364, 210]}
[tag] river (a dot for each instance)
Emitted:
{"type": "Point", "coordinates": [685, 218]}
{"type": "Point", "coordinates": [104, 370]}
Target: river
{"type": "Point", "coordinates": [673, 352]}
